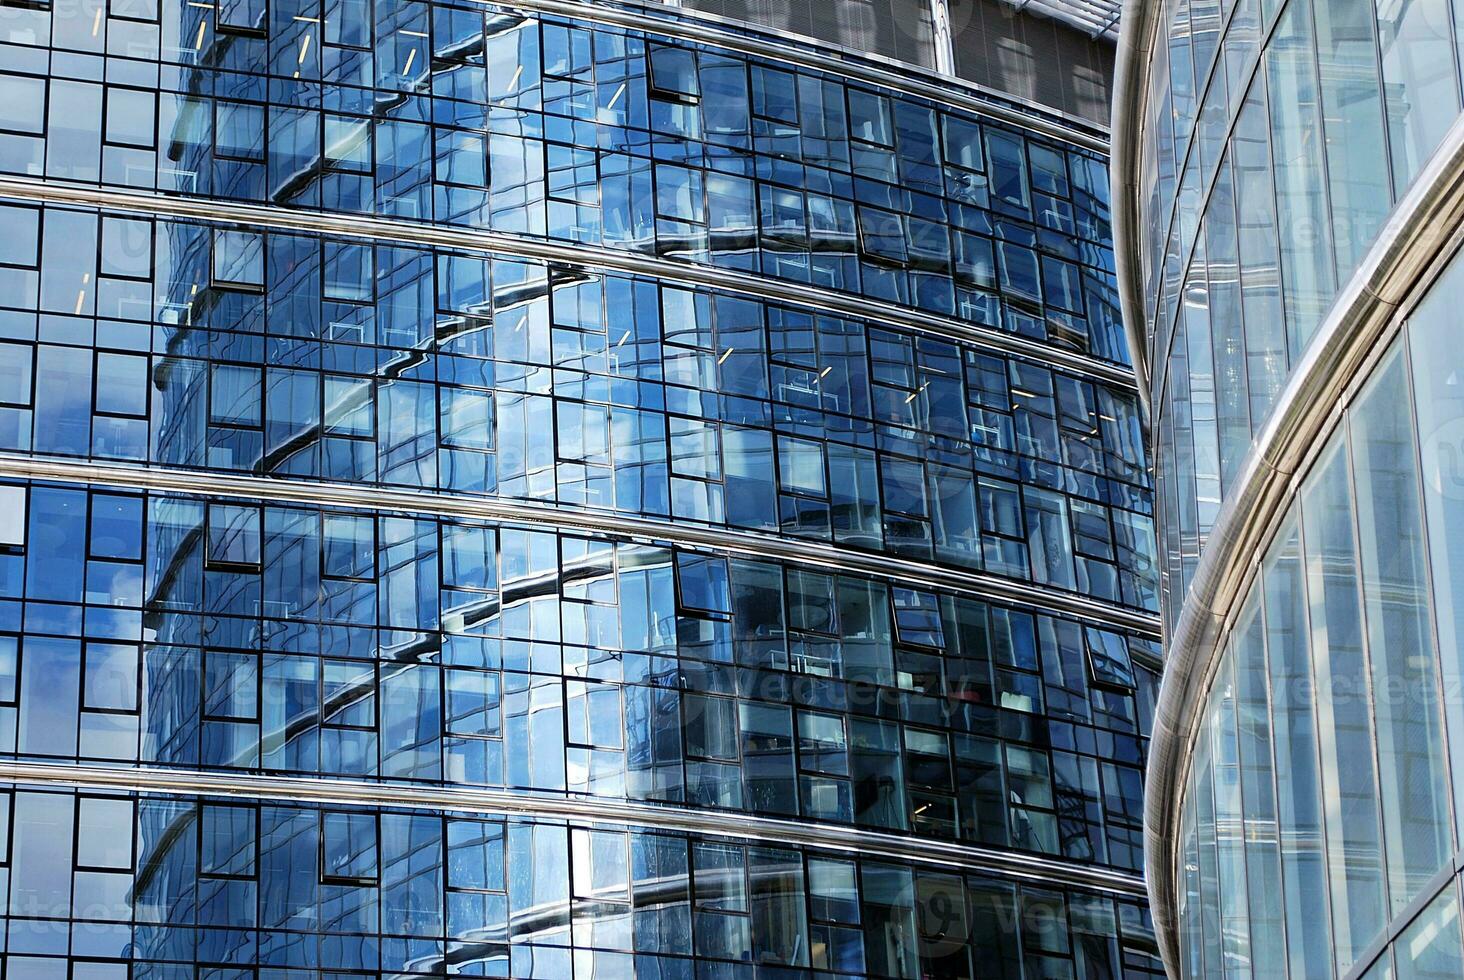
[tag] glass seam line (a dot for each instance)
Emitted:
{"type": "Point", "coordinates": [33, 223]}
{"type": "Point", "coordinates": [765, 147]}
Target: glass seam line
{"type": "Point", "coordinates": [397, 232]}
{"type": "Point", "coordinates": [1130, 83]}
{"type": "Point", "coordinates": [855, 840]}
{"type": "Point", "coordinates": [1388, 280]}
{"type": "Point", "coordinates": [748, 543]}
{"type": "Point", "coordinates": [943, 90]}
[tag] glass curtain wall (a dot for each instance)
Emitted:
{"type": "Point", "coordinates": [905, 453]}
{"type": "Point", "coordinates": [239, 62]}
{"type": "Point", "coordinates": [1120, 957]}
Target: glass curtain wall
{"type": "Point", "coordinates": [494, 494]}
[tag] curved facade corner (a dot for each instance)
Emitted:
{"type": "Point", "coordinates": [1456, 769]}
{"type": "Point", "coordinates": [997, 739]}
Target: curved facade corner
{"type": "Point", "coordinates": [562, 490]}
{"type": "Point", "coordinates": [1289, 218]}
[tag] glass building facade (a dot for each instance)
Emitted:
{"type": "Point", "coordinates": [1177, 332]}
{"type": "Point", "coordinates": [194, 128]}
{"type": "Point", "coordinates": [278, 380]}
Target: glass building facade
{"type": "Point", "coordinates": [1287, 203]}
{"type": "Point", "coordinates": [557, 490]}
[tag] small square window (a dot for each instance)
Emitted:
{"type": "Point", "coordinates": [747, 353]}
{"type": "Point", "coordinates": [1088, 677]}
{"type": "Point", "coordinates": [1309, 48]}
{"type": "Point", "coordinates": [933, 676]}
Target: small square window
{"type": "Point", "coordinates": [235, 395]}
{"type": "Point", "coordinates": [131, 117]}
{"type": "Point", "coordinates": [917, 618]}
{"type": "Point", "coordinates": [475, 855]}
{"type": "Point", "coordinates": [230, 686]}
{"type": "Point", "coordinates": [801, 466]}
{"type": "Point", "coordinates": [104, 833]}
{"type": "Point", "coordinates": [467, 418]}
{"type": "Point", "coordinates": [238, 260]}
{"type": "Point", "coordinates": [228, 841]}
{"type": "Point", "coordinates": [473, 704]}
{"type": "Point", "coordinates": [350, 546]}
{"type": "Point", "coordinates": [111, 677]}
{"type": "Point", "coordinates": [122, 384]}
{"type": "Point", "coordinates": [233, 535]}
{"type": "Point", "coordinates": [21, 243]}
{"type": "Point", "coordinates": [239, 131]}
{"type": "Point", "coordinates": [348, 23]}
{"type": "Point", "coordinates": [349, 272]}
{"type": "Point", "coordinates": [703, 583]}
{"type": "Point", "coordinates": [1108, 659]}
{"type": "Point", "coordinates": [22, 102]}
{"type": "Point", "coordinates": [348, 144]}
{"type": "Point", "coordinates": [348, 694]}
{"type": "Point", "coordinates": [347, 848]}
{"type": "Point", "coordinates": [673, 73]}
{"type": "Point", "coordinates": [12, 517]}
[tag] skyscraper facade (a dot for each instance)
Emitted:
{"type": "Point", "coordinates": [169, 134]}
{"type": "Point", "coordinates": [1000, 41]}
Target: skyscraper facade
{"type": "Point", "coordinates": [1288, 203]}
{"type": "Point", "coordinates": [565, 490]}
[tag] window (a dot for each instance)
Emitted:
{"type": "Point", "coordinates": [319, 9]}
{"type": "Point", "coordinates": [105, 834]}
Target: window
{"type": "Point", "coordinates": [122, 384]}
{"type": "Point", "coordinates": [239, 131]}
{"type": "Point", "coordinates": [673, 74]}
{"type": "Point", "coordinates": [703, 583]}
{"type": "Point", "coordinates": [801, 466]}
{"type": "Point", "coordinates": [475, 855]}
{"type": "Point", "coordinates": [710, 727]}
{"type": "Point", "coordinates": [348, 145]}
{"type": "Point", "coordinates": [233, 535]}
{"type": "Point", "coordinates": [238, 260]}
{"type": "Point", "coordinates": [1108, 659]}
{"type": "Point", "coordinates": [236, 395]}
{"type": "Point", "coordinates": [243, 16]}
{"type": "Point", "coordinates": [474, 705]}
{"type": "Point", "coordinates": [12, 517]}
{"type": "Point", "coordinates": [103, 833]}
{"type": "Point", "coordinates": [9, 670]}
{"type": "Point", "coordinates": [227, 841]}
{"type": "Point", "coordinates": [882, 235]}
{"type": "Point", "coordinates": [348, 23]}
{"type": "Point", "coordinates": [467, 418]}
{"type": "Point", "coordinates": [230, 686]}
{"type": "Point", "coordinates": [111, 677]}
{"type": "Point", "coordinates": [347, 848]}
{"type": "Point", "coordinates": [349, 543]}
{"type": "Point", "coordinates": [348, 694]}
{"type": "Point", "coordinates": [349, 272]}
{"type": "Point", "coordinates": [22, 100]}
{"type": "Point", "coordinates": [917, 618]}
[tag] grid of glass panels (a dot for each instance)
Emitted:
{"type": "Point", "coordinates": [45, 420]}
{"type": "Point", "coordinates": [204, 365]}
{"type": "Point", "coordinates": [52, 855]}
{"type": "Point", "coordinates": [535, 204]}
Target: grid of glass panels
{"type": "Point", "coordinates": [1322, 804]}
{"type": "Point", "coordinates": [215, 633]}
{"type": "Point", "coordinates": [482, 117]}
{"type": "Point", "coordinates": [110, 887]}
{"type": "Point", "coordinates": [1277, 137]}
{"type": "Point", "coordinates": [292, 355]}
{"type": "Point", "coordinates": [236, 636]}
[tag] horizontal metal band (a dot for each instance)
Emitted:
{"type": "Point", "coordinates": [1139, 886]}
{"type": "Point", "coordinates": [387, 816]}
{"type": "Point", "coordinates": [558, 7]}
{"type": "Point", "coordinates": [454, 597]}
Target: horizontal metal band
{"type": "Point", "coordinates": [904, 848]}
{"type": "Point", "coordinates": [1140, 19]}
{"type": "Point", "coordinates": [397, 231]}
{"type": "Point", "coordinates": [1423, 231]}
{"type": "Point", "coordinates": [945, 90]}
{"type": "Point", "coordinates": [522, 512]}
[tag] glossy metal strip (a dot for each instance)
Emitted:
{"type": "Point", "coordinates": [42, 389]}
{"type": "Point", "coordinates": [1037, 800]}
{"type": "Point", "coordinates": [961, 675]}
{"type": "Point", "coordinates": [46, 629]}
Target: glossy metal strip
{"type": "Point", "coordinates": [461, 799]}
{"type": "Point", "coordinates": [1140, 20]}
{"type": "Point", "coordinates": [750, 543]}
{"type": "Point", "coordinates": [753, 39]}
{"type": "Point", "coordinates": [396, 231]}
{"type": "Point", "coordinates": [1423, 231]}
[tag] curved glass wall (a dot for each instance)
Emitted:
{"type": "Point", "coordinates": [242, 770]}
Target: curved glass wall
{"type": "Point", "coordinates": [1319, 827]}
{"type": "Point", "coordinates": [678, 515]}
{"type": "Point", "coordinates": [1276, 137]}
{"type": "Point", "coordinates": [250, 351]}
{"type": "Point", "coordinates": [483, 118]}
{"type": "Point", "coordinates": [198, 886]}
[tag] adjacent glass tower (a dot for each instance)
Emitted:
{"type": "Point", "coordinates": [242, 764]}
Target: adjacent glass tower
{"type": "Point", "coordinates": [560, 490]}
{"type": "Point", "coordinates": [1287, 192]}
